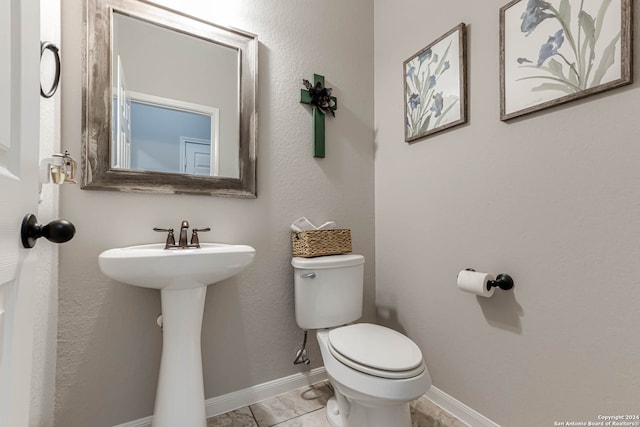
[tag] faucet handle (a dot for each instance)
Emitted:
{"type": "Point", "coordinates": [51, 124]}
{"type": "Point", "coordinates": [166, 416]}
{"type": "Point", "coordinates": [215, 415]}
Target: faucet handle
{"type": "Point", "coordinates": [171, 240]}
{"type": "Point", "coordinates": [195, 240]}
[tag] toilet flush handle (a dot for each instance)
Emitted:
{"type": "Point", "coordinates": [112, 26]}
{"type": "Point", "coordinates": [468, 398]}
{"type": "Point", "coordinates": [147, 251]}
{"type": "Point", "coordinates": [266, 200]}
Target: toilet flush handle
{"type": "Point", "coordinates": [311, 275]}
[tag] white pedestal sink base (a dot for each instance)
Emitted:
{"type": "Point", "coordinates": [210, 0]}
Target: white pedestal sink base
{"type": "Point", "coordinates": [182, 275]}
{"type": "Point", "coordinates": [180, 393]}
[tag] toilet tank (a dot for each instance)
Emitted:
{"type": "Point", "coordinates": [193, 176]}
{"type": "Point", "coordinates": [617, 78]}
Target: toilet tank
{"type": "Point", "coordinates": [328, 290]}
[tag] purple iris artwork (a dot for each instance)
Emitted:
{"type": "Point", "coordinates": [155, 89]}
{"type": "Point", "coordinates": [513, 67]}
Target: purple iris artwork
{"type": "Point", "coordinates": [559, 49]}
{"type": "Point", "coordinates": [574, 68]}
{"type": "Point", "coordinates": [434, 86]}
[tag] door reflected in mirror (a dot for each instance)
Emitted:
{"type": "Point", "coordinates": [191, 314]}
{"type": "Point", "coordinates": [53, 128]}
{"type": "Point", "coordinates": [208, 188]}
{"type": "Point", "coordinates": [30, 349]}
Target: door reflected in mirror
{"type": "Point", "coordinates": [175, 101]}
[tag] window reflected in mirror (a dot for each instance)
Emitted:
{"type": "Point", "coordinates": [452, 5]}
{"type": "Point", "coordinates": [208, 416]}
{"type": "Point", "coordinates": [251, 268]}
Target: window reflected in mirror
{"type": "Point", "coordinates": [172, 113]}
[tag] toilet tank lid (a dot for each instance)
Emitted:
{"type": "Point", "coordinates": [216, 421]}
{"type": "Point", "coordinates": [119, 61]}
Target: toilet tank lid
{"type": "Point", "coordinates": [329, 261]}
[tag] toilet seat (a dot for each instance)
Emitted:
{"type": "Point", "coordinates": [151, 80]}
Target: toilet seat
{"type": "Point", "coordinates": [376, 350]}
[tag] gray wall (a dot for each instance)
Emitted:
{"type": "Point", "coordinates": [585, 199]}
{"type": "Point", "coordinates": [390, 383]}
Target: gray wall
{"type": "Point", "coordinates": [552, 198]}
{"type": "Point", "coordinates": [108, 342]}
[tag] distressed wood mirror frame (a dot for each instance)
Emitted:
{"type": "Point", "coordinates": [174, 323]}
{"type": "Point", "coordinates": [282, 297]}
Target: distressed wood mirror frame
{"type": "Point", "coordinates": [97, 106]}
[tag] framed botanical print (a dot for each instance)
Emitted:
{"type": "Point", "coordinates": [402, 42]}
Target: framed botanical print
{"type": "Point", "coordinates": [435, 86]}
{"type": "Point", "coordinates": [556, 51]}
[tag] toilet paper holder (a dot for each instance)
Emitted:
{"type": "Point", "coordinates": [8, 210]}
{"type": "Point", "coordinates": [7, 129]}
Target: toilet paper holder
{"type": "Point", "coordinates": [502, 281]}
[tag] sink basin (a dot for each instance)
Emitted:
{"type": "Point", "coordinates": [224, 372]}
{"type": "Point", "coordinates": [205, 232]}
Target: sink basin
{"type": "Point", "coordinates": [152, 266]}
{"type": "Point", "coordinates": [182, 276]}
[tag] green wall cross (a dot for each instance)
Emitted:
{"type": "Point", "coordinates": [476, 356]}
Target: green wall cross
{"type": "Point", "coordinates": [318, 117]}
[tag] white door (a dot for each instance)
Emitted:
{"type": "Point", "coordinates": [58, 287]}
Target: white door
{"type": "Point", "coordinates": [19, 133]}
{"type": "Point", "coordinates": [122, 156]}
{"type": "Point", "coordinates": [195, 156]}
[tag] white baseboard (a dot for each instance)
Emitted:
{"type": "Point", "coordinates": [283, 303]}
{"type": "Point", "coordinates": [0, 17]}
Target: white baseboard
{"type": "Point", "coordinates": [458, 409]}
{"type": "Point", "coordinates": [257, 393]}
{"type": "Point", "coordinates": [249, 396]}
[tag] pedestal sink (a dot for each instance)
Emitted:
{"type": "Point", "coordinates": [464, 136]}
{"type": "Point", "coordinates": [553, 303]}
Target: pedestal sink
{"type": "Point", "coordinates": [182, 276]}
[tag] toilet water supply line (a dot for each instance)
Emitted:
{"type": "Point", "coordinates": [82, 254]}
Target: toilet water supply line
{"type": "Point", "coordinates": [301, 355]}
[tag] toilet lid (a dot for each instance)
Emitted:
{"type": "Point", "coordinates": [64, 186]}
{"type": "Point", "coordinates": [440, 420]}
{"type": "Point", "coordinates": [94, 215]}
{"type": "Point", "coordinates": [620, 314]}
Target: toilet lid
{"type": "Point", "coordinates": [376, 350]}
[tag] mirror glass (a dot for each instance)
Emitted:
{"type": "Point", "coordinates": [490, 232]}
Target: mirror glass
{"type": "Point", "coordinates": [170, 102]}
{"type": "Point", "coordinates": [183, 119]}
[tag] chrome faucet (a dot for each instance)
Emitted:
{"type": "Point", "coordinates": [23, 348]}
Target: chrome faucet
{"type": "Point", "coordinates": [170, 243]}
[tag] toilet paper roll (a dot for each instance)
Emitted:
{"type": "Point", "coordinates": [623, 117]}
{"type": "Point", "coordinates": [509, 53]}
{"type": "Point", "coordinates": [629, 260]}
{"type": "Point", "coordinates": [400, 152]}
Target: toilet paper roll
{"type": "Point", "coordinates": [475, 282]}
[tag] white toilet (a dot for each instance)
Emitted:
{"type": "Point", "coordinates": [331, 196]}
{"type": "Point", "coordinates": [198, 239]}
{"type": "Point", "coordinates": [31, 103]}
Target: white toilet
{"type": "Point", "coordinates": [375, 371]}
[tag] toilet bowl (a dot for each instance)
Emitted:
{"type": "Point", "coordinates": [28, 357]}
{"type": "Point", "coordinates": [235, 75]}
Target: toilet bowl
{"type": "Point", "coordinates": [375, 371]}
{"type": "Point", "coordinates": [381, 396]}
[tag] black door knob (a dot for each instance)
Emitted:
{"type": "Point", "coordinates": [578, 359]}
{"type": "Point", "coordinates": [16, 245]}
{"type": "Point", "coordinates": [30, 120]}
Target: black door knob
{"type": "Point", "coordinates": [58, 231]}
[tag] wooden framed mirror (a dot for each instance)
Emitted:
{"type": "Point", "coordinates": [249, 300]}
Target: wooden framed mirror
{"type": "Point", "coordinates": [169, 102]}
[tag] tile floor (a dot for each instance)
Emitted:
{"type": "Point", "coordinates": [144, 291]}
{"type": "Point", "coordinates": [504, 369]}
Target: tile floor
{"type": "Point", "coordinates": [304, 407]}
